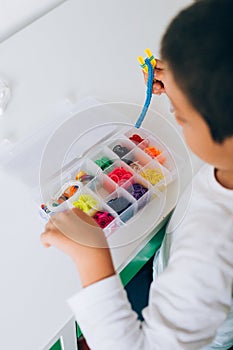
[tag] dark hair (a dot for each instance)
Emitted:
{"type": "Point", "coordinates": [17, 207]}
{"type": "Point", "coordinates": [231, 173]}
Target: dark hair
{"type": "Point", "coordinates": [198, 47]}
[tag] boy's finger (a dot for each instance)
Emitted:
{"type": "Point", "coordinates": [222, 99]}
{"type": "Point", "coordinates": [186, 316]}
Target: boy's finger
{"type": "Point", "coordinates": [159, 75]}
{"type": "Point", "coordinates": [74, 218]}
{"type": "Point", "coordinates": [79, 227]}
{"type": "Point", "coordinates": [83, 216]}
{"type": "Point", "coordinates": [49, 225]}
{"type": "Point", "coordinates": [43, 238]}
{"type": "Point", "coordinates": [54, 238]}
{"type": "Point", "coordinates": [157, 85]}
{"type": "Point", "coordinates": [158, 92]}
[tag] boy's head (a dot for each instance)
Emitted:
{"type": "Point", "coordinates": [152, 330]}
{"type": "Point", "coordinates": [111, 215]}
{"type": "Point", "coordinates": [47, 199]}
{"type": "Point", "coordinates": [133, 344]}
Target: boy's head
{"type": "Point", "coordinates": [197, 49]}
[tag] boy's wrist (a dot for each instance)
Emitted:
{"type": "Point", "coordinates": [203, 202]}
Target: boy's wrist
{"type": "Point", "coordinates": [94, 265]}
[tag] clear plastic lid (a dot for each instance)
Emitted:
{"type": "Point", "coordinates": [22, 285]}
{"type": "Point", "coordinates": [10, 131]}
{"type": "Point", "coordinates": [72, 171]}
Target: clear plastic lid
{"type": "Point", "coordinates": [130, 178]}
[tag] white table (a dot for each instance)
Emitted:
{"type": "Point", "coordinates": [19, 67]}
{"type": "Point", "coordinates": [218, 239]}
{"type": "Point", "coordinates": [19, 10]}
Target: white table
{"type": "Point", "coordinates": [35, 282]}
{"type": "Point", "coordinates": [60, 56]}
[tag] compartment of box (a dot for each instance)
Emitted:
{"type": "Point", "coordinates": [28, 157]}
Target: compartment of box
{"type": "Point", "coordinates": [121, 146]}
{"type": "Point", "coordinates": [113, 226]}
{"type": "Point", "coordinates": [102, 186]}
{"type": "Point", "coordinates": [152, 147]}
{"type": "Point", "coordinates": [58, 201]}
{"type": "Point", "coordinates": [123, 204]}
{"type": "Point", "coordinates": [140, 189]}
{"type": "Point", "coordinates": [119, 172]}
{"type": "Point", "coordinates": [136, 159]}
{"type": "Point", "coordinates": [167, 161]}
{"type": "Point", "coordinates": [156, 174]}
{"type": "Point", "coordinates": [80, 174]}
{"type": "Point", "coordinates": [84, 171]}
{"type": "Point", "coordinates": [103, 158]}
{"type": "Point", "coordinates": [87, 201]}
{"type": "Point", "coordinates": [93, 206]}
{"type": "Point", "coordinates": [136, 135]}
{"type": "Point", "coordinates": [104, 218]}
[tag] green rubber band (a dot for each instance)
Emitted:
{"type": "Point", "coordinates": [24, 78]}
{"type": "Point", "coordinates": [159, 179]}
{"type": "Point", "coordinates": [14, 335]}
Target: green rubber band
{"type": "Point", "coordinates": [151, 58]}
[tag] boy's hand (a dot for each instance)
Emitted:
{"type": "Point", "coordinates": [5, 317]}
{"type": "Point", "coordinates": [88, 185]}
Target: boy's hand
{"type": "Point", "coordinates": [159, 83]}
{"type": "Point", "coordinates": [78, 235]}
{"type": "Point", "coordinates": [75, 228]}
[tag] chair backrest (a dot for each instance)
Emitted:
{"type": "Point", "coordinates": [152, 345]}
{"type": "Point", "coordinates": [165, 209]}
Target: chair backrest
{"type": "Point", "coordinates": [67, 336]}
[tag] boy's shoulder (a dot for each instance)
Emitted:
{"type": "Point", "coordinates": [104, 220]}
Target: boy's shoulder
{"type": "Point", "coordinates": [206, 188]}
{"type": "Point", "coordinates": [203, 218]}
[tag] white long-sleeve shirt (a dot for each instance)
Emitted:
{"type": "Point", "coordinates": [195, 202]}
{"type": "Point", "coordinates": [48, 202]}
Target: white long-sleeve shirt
{"type": "Point", "coordinates": [189, 299]}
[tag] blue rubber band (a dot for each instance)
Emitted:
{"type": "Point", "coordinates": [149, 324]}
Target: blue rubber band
{"type": "Point", "coordinates": [148, 93]}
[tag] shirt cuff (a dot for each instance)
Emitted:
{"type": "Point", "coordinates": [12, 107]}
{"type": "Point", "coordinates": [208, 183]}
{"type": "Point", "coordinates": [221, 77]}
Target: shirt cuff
{"type": "Point", "coordinates": [91, 299]}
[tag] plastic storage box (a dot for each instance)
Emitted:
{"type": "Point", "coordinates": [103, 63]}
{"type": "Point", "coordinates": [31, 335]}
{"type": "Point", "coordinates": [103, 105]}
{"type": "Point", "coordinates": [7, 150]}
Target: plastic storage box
{"type": "Point", "coordinates": [116, 180]}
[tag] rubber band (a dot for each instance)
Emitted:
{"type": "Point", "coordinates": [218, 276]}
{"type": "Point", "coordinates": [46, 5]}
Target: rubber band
{"type": "Point", "coordinates": [103, 218]}
{"type": "Point", "coordinates": [152, 175]}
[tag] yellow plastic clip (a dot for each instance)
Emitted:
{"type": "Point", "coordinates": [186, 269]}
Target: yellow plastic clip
{"type": "Point", "coordinates": [142, 64]}
{"type": "Point", "coordinates": [151, 57]}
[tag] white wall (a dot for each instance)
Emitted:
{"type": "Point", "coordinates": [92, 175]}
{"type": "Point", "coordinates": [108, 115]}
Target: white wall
{"type": "Point", "coordinates": [15, 14]}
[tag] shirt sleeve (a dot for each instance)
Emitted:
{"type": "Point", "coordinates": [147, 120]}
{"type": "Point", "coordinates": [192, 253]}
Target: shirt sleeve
{"type": "Point", "coordinates": [184, 309]}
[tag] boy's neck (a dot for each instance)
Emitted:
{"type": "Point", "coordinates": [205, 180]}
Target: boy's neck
{"type": "Point", "coordinates": [225, 178]}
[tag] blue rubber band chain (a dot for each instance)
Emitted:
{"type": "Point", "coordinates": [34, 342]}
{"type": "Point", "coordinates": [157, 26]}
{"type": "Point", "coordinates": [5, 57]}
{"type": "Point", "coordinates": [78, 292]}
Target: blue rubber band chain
{"type": "Point", "coordinates": [148, 93]}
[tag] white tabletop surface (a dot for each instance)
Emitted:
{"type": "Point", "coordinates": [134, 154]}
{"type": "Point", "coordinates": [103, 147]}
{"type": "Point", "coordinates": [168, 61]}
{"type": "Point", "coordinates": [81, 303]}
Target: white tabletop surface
{"type": "Point", "coordinates": [35, 282]}
{"type": "Point", "coordinates": [67, 54]}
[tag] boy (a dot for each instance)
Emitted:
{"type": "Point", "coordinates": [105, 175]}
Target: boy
{"type": "Point", "coordinates": [191, 297]}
